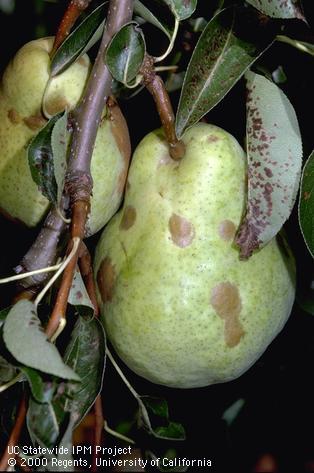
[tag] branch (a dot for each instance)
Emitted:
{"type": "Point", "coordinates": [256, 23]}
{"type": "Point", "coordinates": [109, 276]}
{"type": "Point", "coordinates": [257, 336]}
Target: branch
{"type": "Point", "coordinates": [43, 251]}
{"type": "Point", "coordinates": [86, 118]}
{"type": "Point", "coordinates": [156, 87]}
{"type": "Point", "coordinates": [99, 428]}
{"type": "Point", "coordinates": [72, 13]}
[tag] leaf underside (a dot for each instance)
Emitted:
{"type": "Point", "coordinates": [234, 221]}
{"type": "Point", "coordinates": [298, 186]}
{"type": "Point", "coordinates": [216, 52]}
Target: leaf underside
{"type": "Point", "coordinates": [274, 153]}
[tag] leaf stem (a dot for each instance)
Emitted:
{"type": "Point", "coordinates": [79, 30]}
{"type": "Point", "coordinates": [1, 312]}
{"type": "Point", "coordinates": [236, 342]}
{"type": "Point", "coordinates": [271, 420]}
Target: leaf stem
{"type": "Point", "coordinates": [17, 277]}
{"type": "Point", "coordinates": [76, 244]}
{"type": "Point", "coordinates": [171, 44]}
{"type": "Point", "coordinates": [116, 434]}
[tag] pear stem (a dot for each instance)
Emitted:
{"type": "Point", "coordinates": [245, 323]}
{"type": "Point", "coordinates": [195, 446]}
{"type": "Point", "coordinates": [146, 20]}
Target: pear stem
{"type": "Point", "coordinates": [155, 85]}
{"type": "Point", "coordinates": [72, 13]}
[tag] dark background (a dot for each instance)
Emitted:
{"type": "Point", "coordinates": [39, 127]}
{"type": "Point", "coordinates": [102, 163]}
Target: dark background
{"type": "Point", "coordinates": [278, 414]}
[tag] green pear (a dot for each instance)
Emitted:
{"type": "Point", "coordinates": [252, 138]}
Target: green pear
{"type": "Point", "coordinates": [27, 98]}
{"type": "Point", "coordinates": [178, 305]}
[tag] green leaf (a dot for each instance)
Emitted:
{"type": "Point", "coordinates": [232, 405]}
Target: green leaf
{"type": "Point", "coordinates": [3, 315]}
{"type": "Point", "coordinates": [173, 431]}
{"type": "Point", "coordinates": [274, 153]}
{"type": "Point", "coordinates": [79, 297]}
{"type": "Point", "coordinates": [306, 203]}
{"type": "Point", "coordinates": [40, 159]}
{"type": "Point", "coordinates": [156, 405]}
{"type": "Point", "coordinates": [42, 423]}
{"type": "Point", "coordinates": [182, 9]}
{"type": "Point", "coordinates": [25, 339]}
{"type": "Point", "coordinates": [305, 299]}
{"type": "Point", "coordinates": [230, 414]}
{"type": "Point", "coordinates": [148, 16]}
{"type": "Point", "coordinates": [41, 391]}
{"type": "Point", "coordinates": [79, 41]}
{"type": "Point", "coordinates": [278, 8]}
{"type": "Point", "coordinates": [303, 46]}
{"type": "Point", "coordinates": [153, 410]}
{"type": "Point", "coordinates": [223, 53]}
{"type": "Point", "coordinates": [7, 371]}
{"type": "Point", "coordinates": [60, 138]}
{"type": "Point", "coordinates": [125, 53]}
{"type": "Point", "coordinates": [86, 354]}
{"type": "Point", "coordinates": [175, 81]}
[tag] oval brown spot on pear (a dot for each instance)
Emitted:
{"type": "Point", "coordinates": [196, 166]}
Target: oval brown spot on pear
{"type": "Point", "coordinates": [35, 122]}
{"type": "Point", "coordinates": [226, 301]}
{"type": "Point", "coordinates": [128, 218]}
{"type": "Point", "coordinates": [181, 230]}
{"type": "Point", "coordinates": [227, 230]}
{"type": "Point", "coordinates": [106, 277]}
{"type": "Point", "coordinates": [14, 116]}
{"type": "Point", "coordinates": [56, 105]}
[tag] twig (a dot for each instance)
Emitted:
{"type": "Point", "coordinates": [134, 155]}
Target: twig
{"type": "Point", "coordinates": [86, 118]}
{"type": "Point", "coordinates": [72, 13]}
{"type": "Point", "coordinates": [43, 251]}
{"type": "Point", "coordinates": [156, 87]}
{"type": "Point", "coordinates": [15, 434]}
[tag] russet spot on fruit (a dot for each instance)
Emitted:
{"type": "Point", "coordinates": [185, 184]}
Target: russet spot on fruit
{"type": "Point", "coordinates": [179, 306]}
{"type": "Point", "coordinates": [24, 94]}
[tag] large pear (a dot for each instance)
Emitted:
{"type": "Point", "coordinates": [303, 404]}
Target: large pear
{"type": "Point", "coordinates": [25, 92]}
{"type": "Point", "coordinates": [178, 305]}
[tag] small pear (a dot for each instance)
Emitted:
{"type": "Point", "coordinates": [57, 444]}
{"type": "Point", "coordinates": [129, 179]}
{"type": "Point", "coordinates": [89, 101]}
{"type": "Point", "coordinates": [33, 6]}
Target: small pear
{"type": "Point", "coordinates": [179, 306]}
{"type": "Point", "coordinates": [25, 93]}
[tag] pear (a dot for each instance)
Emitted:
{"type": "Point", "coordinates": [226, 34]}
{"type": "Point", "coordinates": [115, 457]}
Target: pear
{"type": "Point", "coordinates": [179, 306]}
{"type": "Point", "coordinates": [25, 93]}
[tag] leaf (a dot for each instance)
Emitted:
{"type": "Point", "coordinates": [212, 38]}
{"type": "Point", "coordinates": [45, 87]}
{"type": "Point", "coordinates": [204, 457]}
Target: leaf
{"type": "Point", "coordinates": [86, 354]}
{"type": "Point", "coordinates": [63, 460]}
{"type": "Point", "coordinates": [230, 414]}
{"type": "Point", "coordinates": [24, 337]}
{"type": "Point", "coordinates": [230, 43]}
{"type": "Point", "coordinates": [278, 8]}
{"type": "Point", "coordinates": [40, 159]}
{"type": "Point", "coordinates": [3, 315]}
{"type": "Point", "coordinates": [305, 299]}
{"type": "Point", "coordinates": [182, 9]}
{"type": "Point", "coordinates": [125, 53]}
{"type": "Point", "coordinates": [7, 371]}
{"type": "Point", "coordinates": [306, 203]}
{"type": "Point", "coordinates": [141, 10]}
{"type": "Point", "coordinates": [175, 81]}
{"type": "Point", "coordinates": [79, 297]}
{"type": "Point", "coordinates": [41, 391]}
{"type": "Point", "coordinates": [42, 423]}
{"type": "Point", "coordinates": [79, 41]}
{"type": "Point", "coordinates": [157, 407]}
{"type": "Point", "coordinates": [60, 138]}
{"type": "Point", "coordinates": [274, 153]}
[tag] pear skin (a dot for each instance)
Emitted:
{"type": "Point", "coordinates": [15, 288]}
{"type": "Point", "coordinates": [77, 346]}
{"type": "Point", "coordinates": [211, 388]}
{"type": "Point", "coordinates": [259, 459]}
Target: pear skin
{"type": "Point", "coordinates": [27, 98]}
{"type": "Point", "coordinates": [178, 305]}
